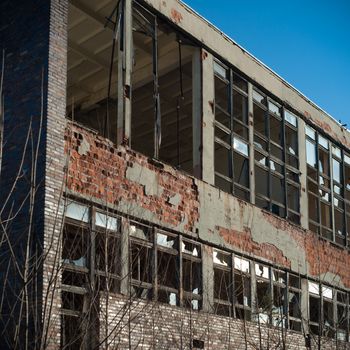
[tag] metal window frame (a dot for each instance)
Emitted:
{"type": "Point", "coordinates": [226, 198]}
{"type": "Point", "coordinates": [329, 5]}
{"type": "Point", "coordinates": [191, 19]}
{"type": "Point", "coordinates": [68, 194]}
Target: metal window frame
{"type": "Point", "coordinates": [230, 131]}
{"type": "Point", "coordinates": [270, 157]}
{"type": "Point", "coordinates": [336, 238]}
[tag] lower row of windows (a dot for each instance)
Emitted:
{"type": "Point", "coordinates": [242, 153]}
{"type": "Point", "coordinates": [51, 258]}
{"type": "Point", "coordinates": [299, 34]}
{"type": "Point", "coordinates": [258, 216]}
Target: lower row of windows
{"type": "Point", "coordinates": [167, 267]}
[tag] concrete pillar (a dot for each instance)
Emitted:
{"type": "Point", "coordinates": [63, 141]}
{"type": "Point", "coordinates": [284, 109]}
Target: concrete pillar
{"type": "Point", "coordinates": [124, 76]}
{"type": "Point", "coordinates": [208, 100]}
{"type": "Point", "coordinates": [251, 143]}
{"type": "Point", "coordinates": [125, 274]}
{"type": "Point", "coordinates": [197, 112]}
{"type": "Point", "coordinates": [208, 279]}
{"type": "Point", "coordinates": [304, 305]}
{"type": "Point", "coordinates": [304, 213]}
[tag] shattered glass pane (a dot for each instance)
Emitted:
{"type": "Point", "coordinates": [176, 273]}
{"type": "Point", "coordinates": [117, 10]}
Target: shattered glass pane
{"type": "Point", "coordinates": [221, 258]}
{"type": "Point", "coordinates": [140, 231]}
{"type": "Point", "coordinates": [262, 271]}
{"type": "Point", "coordinates": [166, 241]}
{"type": "Point", "coordinates": [241, 264]}
{"type": "Point", "coordinates": [190, 248]}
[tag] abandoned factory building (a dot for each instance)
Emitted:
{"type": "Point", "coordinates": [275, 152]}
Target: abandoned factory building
{"type": "Point", "coordinates": [161, 188]}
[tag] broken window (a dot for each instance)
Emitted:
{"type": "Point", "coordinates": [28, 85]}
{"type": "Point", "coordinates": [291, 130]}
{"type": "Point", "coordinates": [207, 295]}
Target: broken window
{"type": "Point", "coordinates": [76, 280]}
{"type": "Point", "coordinates": [314, 308]}
{"type": "Point", "coordinates": [328, 312]}
{"type": "Point", "coordinates": [141, 259]}
{"type": "Point", "coordinates": [94, 63]}
{"type": "Point", "coordinates": [279, 284]}
{"type": "Point", "coordinates": [327, 171]}
{"type": "Point", "coordinates": [342, 316]}
{"type": "Point", "coordinates": [294, 303]}
{"type": "Point", "coordinates": [232, 285]}
{"type": "Point", "coordinates": [242, 288]}
{"type": "Point", "coordinates": [322, 310]}
{"type": "Point", "coordinates": [164, 62]}
{"type": "Point", "coordinates": [222, 283]}
{"type": "Point", "coordinates": [231, 149]}
{"type": "Point", "coordinates": [191, 274]}
{"type": "Point", "coordinates": [178, 257]}
{"type": "Point", "coordinates": [263, 297]}
{"type": "Point", "coordinates": [107, 252]}
{"type": "Point", "coordinates": [276, 158]}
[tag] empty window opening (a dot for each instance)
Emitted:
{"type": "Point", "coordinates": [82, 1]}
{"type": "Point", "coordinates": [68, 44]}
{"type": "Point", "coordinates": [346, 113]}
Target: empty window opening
{"type": "Point", "coordinates": [162, 90]}
{"type": "Point", "coordinates": [94, 51]}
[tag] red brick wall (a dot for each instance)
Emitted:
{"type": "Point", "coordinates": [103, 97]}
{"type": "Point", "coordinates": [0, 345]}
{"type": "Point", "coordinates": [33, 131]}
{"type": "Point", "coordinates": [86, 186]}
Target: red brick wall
{"type": "Point", "coordinates": [100, 173]}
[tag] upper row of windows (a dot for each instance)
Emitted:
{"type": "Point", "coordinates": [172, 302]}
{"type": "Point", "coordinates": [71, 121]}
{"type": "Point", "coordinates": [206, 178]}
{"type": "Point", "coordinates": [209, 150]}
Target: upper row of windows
{"type": "Point", "coordinates": [276, 159]}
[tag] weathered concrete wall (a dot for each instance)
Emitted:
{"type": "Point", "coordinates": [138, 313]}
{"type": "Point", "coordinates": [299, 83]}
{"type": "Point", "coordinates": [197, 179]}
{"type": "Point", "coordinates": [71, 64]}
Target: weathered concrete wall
{"type": "Point", "coordinates": [132, 184]}
{"type": "Point", "coordinates": [224, 47]}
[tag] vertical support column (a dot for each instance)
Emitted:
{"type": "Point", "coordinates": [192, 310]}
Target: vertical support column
{"type": "Point", "coordinates": [253, 289]}
{"type": "Point", "coordinates": [251, 144]}
{"type": "Point", "coordinates": [197, 112]}
{"type": "Point", "coordinates": [124, 74]}
{"type": "Point", "coordinates": [304, 214]}
{"type": "Point", "coordinates": [208, 279]}
{"type": "Point", "coordinates": [124, 258]}
{"type": "Point", "coordinates": [304, 305]}
{"type": "Point", "coordinates": [208, 102]}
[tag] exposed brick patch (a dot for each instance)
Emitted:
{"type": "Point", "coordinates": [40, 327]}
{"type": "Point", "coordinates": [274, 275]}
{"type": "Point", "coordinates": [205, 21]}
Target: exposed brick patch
{"type": "Point", "coordinates": [322, 256]}
{"type": "Point", "coordinates": [100, 173]}
{"type": "Point", "coordinates": [243, 241]}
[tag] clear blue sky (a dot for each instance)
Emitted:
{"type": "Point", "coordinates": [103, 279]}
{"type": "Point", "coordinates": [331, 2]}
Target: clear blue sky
{"type": "Point", "coordinates": [306, 42]}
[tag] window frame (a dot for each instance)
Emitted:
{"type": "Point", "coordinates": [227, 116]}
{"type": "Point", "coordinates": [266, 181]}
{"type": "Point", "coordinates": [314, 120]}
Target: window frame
{"type": "Point", "coordinates": [235, 187]}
